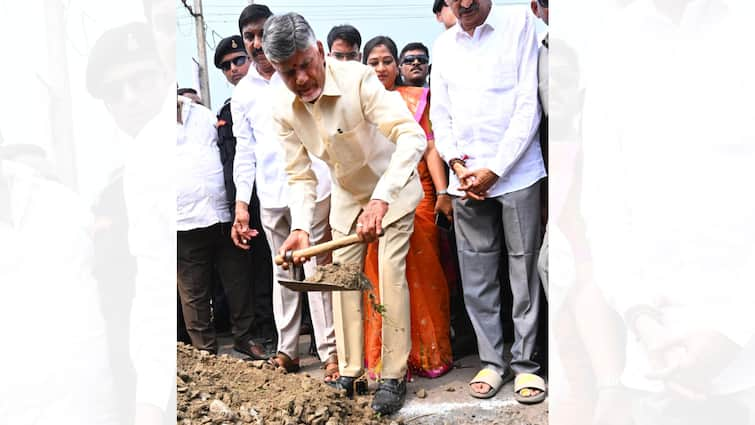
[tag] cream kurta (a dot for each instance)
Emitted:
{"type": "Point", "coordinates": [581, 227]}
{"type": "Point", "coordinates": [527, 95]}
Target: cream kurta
{"type": "Point", "coordinates": [365, 134]}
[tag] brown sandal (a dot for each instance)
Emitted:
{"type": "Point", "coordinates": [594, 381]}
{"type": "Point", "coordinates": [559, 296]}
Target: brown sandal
{"type": "Point", "coordinates": [282, 360]}
{"type": "Point", "coordinates": [331, 370]}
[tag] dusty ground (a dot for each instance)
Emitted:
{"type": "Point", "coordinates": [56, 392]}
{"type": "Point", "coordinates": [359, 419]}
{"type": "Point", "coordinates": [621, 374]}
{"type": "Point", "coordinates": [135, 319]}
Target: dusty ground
{"type": "Point", "coordinates": [222, 390]}
{"type": "Point", "coordinates": [256, 394]}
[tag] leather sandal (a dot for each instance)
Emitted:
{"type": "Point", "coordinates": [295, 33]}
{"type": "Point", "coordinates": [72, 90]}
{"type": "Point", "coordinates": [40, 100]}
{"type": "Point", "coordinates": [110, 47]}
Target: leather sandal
{"type": "Point", "coordinates": [282, 360]}
{"type": "Point", "coordinates": [252, 349]}
{"type": "Point", "coordinates": [331, 374]}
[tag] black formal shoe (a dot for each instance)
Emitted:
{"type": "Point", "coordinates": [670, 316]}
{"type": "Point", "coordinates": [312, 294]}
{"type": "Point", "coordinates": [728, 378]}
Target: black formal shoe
{"type": "Point", "coordinates": [252, 349]}
{"type": "Point", "coordinates": [344, 383]}
{"type": "Point", "coordinates": [389, 397]}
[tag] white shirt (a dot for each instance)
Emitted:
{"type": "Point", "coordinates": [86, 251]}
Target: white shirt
{"type": "Point", "coordinates": [259, 155]}
{"type": "Point", "coordinates": [200, 192]}
{"type": "Point", "coordinates": [485, 100]}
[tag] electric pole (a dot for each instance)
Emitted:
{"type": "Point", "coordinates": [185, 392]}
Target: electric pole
{"type": "Point", "coordinates": [204, 82]}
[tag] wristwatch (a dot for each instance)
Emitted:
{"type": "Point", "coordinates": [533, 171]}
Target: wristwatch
{"type": "Point", "coordinates": [442, 192]}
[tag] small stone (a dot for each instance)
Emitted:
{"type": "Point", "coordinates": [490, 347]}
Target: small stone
{"type": "Point", "coordinates": [332, 421]}
{"type": "Point", "coordinates": [298, 410]}
{"type": "Point", "coordinates": [182, 389]}
{"type": "Point", "coordinates": [421, 393]}
{"type": "Point", "coordinates": [257, 363]}
{"type": "Point", "coordinates": [322, 411]}
{"type": "Point", "coordinates": [450, 389]}
{"type": "Point", "coordinates": [217, 406]}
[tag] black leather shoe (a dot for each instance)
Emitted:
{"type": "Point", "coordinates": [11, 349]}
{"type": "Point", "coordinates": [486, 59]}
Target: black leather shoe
{"type": "Point", "coordinates": [252, 349]}
{"type": "Point", "coordinates": [344, 383]}
{"type": "Point", "coordinates": [389, 397]}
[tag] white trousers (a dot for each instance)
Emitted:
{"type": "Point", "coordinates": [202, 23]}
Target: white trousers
{"type": "Point", "coordinates": [287, 303]}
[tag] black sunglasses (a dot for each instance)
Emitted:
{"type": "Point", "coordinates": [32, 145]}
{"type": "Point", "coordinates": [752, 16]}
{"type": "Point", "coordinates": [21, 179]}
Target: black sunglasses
{"type": "Point", "coordinates": [423, 59]}
{"type": "Point", "coordinates": [238, 61]}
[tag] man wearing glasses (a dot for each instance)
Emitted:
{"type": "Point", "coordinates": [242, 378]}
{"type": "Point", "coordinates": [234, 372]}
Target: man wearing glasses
{"type": "Point", "coordinates": [233, 60]}
{"type": "Point", "coordinates": [414, 60]}
{"type": "Point", "coordinates": [344, 42]}
{"type": "Point", "coordinates": [485, 116]}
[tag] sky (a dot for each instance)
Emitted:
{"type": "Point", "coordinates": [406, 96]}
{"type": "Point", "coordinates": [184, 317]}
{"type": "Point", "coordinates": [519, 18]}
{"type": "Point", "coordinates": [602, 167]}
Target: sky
{"type": "Point", "coordinates": [404, 21]}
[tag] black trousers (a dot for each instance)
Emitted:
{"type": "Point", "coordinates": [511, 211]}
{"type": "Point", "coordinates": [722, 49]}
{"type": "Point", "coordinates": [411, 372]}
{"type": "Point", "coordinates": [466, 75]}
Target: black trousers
{"type": "Point", "coordinates": [199, 251]}
{"type": "Point", "coordinates": [262, 277]}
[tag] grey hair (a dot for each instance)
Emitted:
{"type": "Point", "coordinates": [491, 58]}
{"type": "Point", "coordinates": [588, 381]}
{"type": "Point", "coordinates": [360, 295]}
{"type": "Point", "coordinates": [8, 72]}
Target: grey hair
{"type": "Point", "coordinates": [284, 35]}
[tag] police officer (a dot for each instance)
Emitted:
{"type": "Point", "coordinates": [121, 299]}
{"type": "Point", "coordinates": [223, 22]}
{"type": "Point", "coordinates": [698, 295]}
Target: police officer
{"type": "Point", "coordinates": [232, 59]}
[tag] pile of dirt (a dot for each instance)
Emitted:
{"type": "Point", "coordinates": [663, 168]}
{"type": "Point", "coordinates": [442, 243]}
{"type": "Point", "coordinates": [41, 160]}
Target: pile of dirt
{"type": "Point", "coordinates": [223, 390]}
{"type": "Point", "coordinates": [348, 275]}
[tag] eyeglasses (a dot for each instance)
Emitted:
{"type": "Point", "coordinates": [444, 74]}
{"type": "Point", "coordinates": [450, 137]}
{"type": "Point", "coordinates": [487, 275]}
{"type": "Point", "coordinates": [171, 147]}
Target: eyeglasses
{"type": "Point", "coordinates": [238, 61]}
{"type": "Point", "coordinates": [409, 59]}
{"type": "Point", "coordinates": [349, 56]}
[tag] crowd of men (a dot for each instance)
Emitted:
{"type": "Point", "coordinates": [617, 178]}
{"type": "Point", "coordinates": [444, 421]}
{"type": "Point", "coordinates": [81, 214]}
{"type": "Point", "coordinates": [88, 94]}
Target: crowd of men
{"type": "Point", "coordinates": [312, 147]}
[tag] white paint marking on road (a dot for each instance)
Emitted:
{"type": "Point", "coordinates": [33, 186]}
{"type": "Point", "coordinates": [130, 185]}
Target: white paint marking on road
{"type": "Point", "coordinates": [420, 408]}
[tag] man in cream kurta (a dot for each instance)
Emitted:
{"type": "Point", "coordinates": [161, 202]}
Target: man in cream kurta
{"type": "Point", "coordinates": [340, 113]}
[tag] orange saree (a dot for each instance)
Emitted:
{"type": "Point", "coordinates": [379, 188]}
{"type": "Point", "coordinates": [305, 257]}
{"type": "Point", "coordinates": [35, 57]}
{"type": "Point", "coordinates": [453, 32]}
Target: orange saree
{"type": "Point", "coordinates": [430, 355]}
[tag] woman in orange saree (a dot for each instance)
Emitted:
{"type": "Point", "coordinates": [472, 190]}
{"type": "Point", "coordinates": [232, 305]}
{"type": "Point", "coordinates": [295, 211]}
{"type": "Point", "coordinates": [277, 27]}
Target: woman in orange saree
{"type": "Point", "coordinates": [430, 355]}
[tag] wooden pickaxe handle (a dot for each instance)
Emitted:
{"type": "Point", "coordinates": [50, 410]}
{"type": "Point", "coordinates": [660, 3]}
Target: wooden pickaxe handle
{"type": "Point", "coordinates": [322, 248]}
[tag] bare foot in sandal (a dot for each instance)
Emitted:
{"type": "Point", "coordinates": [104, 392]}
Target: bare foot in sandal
{"type": "Point", "coordinates": [480, 388]}
{"type": "Point", "coordinates": [284, 361]}
{"type": "Point", "coordinates": [529, 388]}
{"type": "Point", "coordinates": [486, 383]}
{"type": "Point", "coordinates": [331, 374]}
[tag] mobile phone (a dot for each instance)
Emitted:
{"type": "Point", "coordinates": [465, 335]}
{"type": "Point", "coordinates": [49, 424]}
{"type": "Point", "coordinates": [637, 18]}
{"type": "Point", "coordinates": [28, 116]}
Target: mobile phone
{"type": "Point", "coordinates": [442, 222]}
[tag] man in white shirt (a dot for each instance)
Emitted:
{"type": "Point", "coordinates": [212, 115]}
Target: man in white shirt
{"type": "Point", "coordinates": [259, 156]}
{"type": "Point", "coordinates": [485, 116]}
{"type": "Point", "coordinates": [233, 60]}
{"type": "Point", "coordinates": [203, 223]}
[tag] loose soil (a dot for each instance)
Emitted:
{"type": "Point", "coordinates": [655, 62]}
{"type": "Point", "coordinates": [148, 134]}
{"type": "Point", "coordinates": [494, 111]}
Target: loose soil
{"type": "Point", "coordinates": [223, 390]}
{"type": "Point", "coordinates": [349, 276]}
